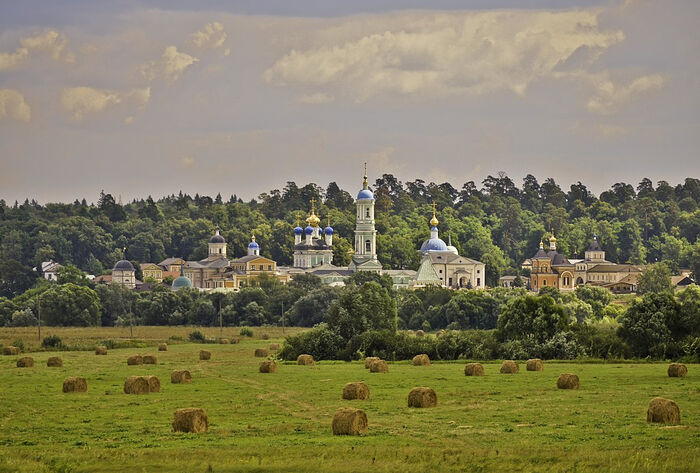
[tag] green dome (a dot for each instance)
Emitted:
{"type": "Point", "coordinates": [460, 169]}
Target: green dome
{"type": "Point", "coordinates": [180, 282]}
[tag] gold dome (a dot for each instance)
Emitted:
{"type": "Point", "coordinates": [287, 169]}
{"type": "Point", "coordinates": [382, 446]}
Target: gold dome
{"type": "Point", "coordinates": [434, 221]}
{"type": "Point", "coordinates": [313, 219]}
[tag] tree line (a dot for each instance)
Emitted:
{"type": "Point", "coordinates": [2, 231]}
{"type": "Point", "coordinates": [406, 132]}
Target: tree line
{"type": "Point", "coordinates": [497, 223]}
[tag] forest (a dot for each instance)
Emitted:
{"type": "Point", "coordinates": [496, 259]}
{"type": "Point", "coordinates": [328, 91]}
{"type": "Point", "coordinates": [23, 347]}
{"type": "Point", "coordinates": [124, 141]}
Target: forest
{"type": "Point", "coordinates": [497, 223]}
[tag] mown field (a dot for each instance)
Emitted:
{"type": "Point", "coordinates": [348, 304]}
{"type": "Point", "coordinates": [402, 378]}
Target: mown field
{"type": "Point", "coordinates": [281, 422]}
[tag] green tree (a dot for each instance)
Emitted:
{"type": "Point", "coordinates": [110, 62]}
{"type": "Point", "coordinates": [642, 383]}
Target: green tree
{"type": "Point", "coordinates": [538, 317]}
{"type": "Point", "coordinates": [70, 305]}
{"type": "Point", "coordinates": [71, 274]}
{"type": "Point", "coordinates": [655, 278]}
{"type": "Point", "coordinates": [471, 309]}
{"type": "Point", "coordinates": [649, 325]}
{"type": "Point", "coordinates": [363, 308]}
{"type": "Point", "coordinates": [597, 297]}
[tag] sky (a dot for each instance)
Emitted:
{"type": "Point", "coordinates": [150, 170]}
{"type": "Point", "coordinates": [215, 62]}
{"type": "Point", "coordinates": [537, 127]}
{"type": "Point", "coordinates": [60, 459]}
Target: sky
{"type": "Point", "coordinates": [150, 97]}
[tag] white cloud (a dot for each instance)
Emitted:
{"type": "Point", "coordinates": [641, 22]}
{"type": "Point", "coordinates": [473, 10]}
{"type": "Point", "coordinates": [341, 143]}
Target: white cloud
{"type": "Point", "coordinates": [170, 66]}
{"type": "Point", "coordinates": [13, 106]}
{"type": "Point", "coordinates": [51, 42]}
{"type": "Point", "coordinates": [442, 54]}
{"type": "Point", "coordinates": [610, 96]}
{"type": "Point", "coordinates": [211, 37]}
{"type": "Point", "coordinates": [317, 98]}
{"type": "Point", "coordinates": [80, 101]}
{"type": "Point", "coordinates": [10, 60]}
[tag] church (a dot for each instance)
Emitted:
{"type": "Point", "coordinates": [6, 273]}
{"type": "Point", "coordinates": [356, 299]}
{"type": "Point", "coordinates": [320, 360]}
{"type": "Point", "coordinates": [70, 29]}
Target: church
{"type": "Point", "coordinates": [441, 264]}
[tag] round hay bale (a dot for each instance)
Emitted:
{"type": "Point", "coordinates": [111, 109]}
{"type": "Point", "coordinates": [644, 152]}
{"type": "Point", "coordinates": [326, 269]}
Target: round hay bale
{"type": "Point", "coordinates": [224, 341]}
{"type": "Point", "coordinates": [534, 364]}
{"type": "Point", "coordinates": [568, 381]}
{"type": "Point", "coordinates": [136, 385]}
{"type": "Point", "coordinates": [134, 360]}
{"type": "Point", "coordinates": [422, 397]}
{"type": "Point", "coordinates": [268, 367]}
{"type": "Point", "coordinates": [420, 333]}
{"type": "Point", "coordinates": [473, 369]}
{"type": "Point", "coordinates": [306, 360]}
{"type": "Point", "coordinates": [379, 366]}
{"type": "Point", "coordinates": [421, 360]}
{"type": "Point", "coordinates": [204, 355]}
{"type": "Point", "coordinates": [664, 411]}
{"type": "Point", "coordinates": [260, 352]}
{"type": "Point", "coordinates": [509, 367]}
{"type": "Point", "coordinates": [153, 383]}
{"type": "Point", "coordinates": [274, 346]}
{"type": "Point", "coordinates": [10, 350]}
{"type": "Point", "coordinates": [440, 333]}
{"type": "Point", "coordinates": [358, 390]}
{"type": "Point", "coordinates": [75, 384]}
{"type": "Point", "coordinates": [265, 336]}
{"type": "Point", "coordinates": [235, 340]}
{"type": "Point", "coordinates": [101, 350]}
{"type": "Point", "coordinates": [149, 360]}
{"type": "Point", "coordinates": [677, 370]}
{"type": "Point", "coordinates": [25, 362]}
{"type": "Point", "coordinates": [369, 360]}
{"type": "Point", "coordinates": [162, 347]}
{"type": "Point", "coordinates": [410, 333]}
{"type": "Point", "coordinates": [349, 421]}
{"type": "Point", "coordinates": [181, 377]}
{"type": "Point", "coordinates": [54, 362]}
{"type": "Point", "coordinates": [190, 419]}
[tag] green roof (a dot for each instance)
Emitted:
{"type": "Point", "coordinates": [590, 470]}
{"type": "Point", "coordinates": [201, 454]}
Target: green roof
{"type": "Point", "coordinates": [180, 282]}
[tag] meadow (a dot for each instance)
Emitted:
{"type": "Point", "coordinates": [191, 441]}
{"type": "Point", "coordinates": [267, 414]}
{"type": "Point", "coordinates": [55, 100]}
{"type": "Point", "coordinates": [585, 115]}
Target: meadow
{"type": "Point", "coordinates": [282, 421]}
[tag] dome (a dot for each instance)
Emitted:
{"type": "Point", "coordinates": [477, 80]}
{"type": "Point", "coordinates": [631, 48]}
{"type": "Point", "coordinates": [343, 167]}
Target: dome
{"type": "Point", "coordinates": [452, 249]}
{"type": "Point", "coordinates": [180, 282]}
{"type": "Point", "coordinates": [217, 238]}
{"type": "Point", "coordinates": [253, 245]}
{"type": "Point", "coordinates": [365, 194]}
{"type": "Point", "coordinates": [309, 230]}
{"type": "Point", "coordinates": [123, 265]}
{"type": "Point", "coordinates": [328, 230]}
{"type": "Point", "coordinates": [298, 230]}
{"type": "Point", "coordinates": [433, 244]}
{"type": "Point", "coordinates": [594, 246]}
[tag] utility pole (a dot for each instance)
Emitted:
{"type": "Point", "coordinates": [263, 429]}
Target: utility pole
{"type": "Point", "coordinates": [282, 316]}
{"type": "Point", "coordinates": [38, 313]}
{"type": "Point", "coordinates": [131, 321]}
{"type": "Point", "coordinates": [221, 320]}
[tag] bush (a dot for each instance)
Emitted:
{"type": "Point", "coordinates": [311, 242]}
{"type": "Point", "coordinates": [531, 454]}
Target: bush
{"type": "Point", "coordinates": [19, 344]}
{"type": "Point", "coordinates": [176, 338]}
{"type": "Point", "coordinates": [197, 337]}
{"type": "Point", "coordinates": [320, 342]}
{"type": "Point", "coordinates": [246, 332]}
{"type": "Point", "coordinates": [52, 341]}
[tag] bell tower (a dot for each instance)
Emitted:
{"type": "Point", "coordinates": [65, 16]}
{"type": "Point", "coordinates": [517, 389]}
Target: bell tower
{"type": "Point", "coordinates": [365, 258]}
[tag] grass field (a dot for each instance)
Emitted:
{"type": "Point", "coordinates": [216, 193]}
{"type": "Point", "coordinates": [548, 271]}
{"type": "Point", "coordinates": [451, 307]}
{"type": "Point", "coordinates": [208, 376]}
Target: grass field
{"type": "Point", "coordinates": [281, 422]}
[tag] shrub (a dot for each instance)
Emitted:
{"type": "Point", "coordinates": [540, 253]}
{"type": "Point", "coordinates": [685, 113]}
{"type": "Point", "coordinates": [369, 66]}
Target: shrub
{"type": "Point", "coordinates": [246, 332]}
{"type": "Point", "coordinates": [18, 343]}
{"type": "Point", "coordinates": [52, 341]}
{"type": "Point", "coordinates": [197, 337]}
{"type": "Point", "coordinates": [176, 338]}
{"type": "Point", "coordinates": [319, 342]}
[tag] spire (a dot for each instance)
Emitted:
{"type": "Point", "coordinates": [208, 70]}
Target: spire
{"type": "Point", "coordinates": [365, 185]}
{"type": "Point", "coordinates": [252, 237]}
{"type": "Point", "coordinates": [298, 218]}
{"type": "Point", "coordinates": [553, 242]}
{"type": "Point", "coordinates": [434, 221]}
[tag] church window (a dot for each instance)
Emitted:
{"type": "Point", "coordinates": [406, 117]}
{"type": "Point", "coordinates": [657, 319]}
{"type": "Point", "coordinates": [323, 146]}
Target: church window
{"type": "Point", "coordinates": [368, 246]}
{"type": "Point", "coordinates": [367, 212]}
{"type": "Point", "coordinates": [478, 282]}
{"type": "Point", "coordinates": [269, 267]}
{"type": "Point", "coordinates": [544, 282]}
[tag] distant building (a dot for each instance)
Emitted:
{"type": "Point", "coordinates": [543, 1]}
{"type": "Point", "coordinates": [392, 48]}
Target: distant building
{"type": "Point", "coordinates": [124, 273]}
{"type": "Point", "coordinates": [49, 270]}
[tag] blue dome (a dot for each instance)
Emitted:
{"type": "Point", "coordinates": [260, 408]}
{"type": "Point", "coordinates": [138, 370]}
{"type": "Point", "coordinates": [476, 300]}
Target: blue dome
{"type": "Point", "coordinates": [328, 230]}
{"type": "Point", "coordinates": [433, 244]}
{"type": "Point", "coordinates": [180, 282]}
{"type": "Point", "coordinates": [365, 194]}
{"type": "Point", "coordinates": [309, 230]}
{"type": "Point", "coordinates": [253, 245]}
{"type": "Point", "coordinates": [298, 230]}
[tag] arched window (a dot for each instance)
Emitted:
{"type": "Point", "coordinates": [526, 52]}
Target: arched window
{"type": "Point", "coordinates": [368, 246]}
{"type": "Point", "coordinates": [367, 212]}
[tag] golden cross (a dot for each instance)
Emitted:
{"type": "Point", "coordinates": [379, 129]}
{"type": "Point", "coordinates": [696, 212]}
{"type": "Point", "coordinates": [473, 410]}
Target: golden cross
{"type": "Point", "coordinates": [298, 218]}
{"type": "Point", "coordinates": [434, 208]}
{"type": "Point", "coordinates": [313, 201]}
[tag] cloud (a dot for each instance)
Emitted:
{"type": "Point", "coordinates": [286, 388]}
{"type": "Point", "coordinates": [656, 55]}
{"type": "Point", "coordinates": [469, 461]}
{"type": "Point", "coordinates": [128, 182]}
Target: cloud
{"type": "Point", "coordinates": [211, 37]}
{"type": "Point", "coordinates": [51, 42]}
{"type": "Point", "coordinates": [609, 97]}
{"type": "Point", "coordinates": [80, 101]}
{"type": "Point", "coordinates": [317, 98]}
{"type": "Point", "coordinates": [13, 106]}
{"type": "Point", "coordinates": [170, 66]}
{"type": "Point", "coordinates": [10, 60]}
{"type": "Point", "coordinates": [442, 54]}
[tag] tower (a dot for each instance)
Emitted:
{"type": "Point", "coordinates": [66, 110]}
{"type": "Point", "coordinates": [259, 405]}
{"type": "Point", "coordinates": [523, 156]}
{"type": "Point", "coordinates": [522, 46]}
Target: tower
{"type": "Point", "coordinates": [365, 258]}
{"type": "Point", "coordinates": [217, 246]}
{"type": "Point", "coordinates": [253, 247]}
